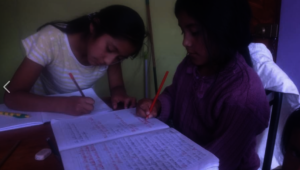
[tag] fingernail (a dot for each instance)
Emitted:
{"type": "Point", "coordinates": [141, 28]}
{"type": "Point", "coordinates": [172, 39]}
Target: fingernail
{"type": "Point", "coordinates": [148, 113]}
{"type": "Point", "coordinates": [150, 116]}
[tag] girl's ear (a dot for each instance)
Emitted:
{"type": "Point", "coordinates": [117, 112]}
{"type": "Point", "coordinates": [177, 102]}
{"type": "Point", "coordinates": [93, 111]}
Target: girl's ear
{"type": "Point", "coordinates": [92, 27]}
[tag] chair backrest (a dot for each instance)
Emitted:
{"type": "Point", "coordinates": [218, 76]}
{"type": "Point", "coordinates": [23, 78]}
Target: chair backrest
{"type": "Point", "coordinates": [276, 102]}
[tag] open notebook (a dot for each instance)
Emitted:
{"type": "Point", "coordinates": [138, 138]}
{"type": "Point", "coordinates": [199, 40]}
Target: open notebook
{"type": "Point", "coordinates": [121, 140]}
{"type": "Point", "coordinates": [37, 118]}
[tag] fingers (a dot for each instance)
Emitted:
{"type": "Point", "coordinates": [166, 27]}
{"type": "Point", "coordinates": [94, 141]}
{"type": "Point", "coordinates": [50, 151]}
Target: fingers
{"type": "Point", "coordinates": [142, 112]}
{"type": "Point", "coordinates": [152, 114]}
{"type": "Point", "coordinates": [89, 100]}
{"type": "Point", "coordinates": [88, 107]}
{"type": "Point", "coordinates": [131, 101]}
{"type": "Point", "coordinates": [114, 104]}
{"type": "Point", "coordinates": [143, 108]}
{"type": "Point", "coordinates": [126, 102]}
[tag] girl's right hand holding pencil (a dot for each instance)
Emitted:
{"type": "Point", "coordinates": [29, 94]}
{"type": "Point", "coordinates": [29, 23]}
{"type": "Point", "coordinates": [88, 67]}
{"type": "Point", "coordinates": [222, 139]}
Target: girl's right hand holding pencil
{"type": "Point", "coordinates": [150, 108]}
{"type": "Point", "coordinates": [143, 107]}
{"type": "Point", "coordinates": [78, 105]}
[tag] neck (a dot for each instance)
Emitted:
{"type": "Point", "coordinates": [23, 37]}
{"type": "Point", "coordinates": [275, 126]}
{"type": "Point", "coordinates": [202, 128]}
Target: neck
{"type": "Point", "coordinates": [78, 44]}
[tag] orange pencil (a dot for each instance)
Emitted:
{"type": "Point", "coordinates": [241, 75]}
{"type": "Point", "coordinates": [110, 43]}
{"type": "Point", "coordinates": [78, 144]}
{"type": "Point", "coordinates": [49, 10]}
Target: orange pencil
{"type": "Point", "coordinates": [157, 94]}
{"type": "Point", "coordinates": [72, 77]}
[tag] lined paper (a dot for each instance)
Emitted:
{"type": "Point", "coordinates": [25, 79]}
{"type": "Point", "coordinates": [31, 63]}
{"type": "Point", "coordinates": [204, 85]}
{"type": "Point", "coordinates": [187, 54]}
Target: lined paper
{"type": "Point", "coordinates": [38, 118]}
{"type": "Point", "coordinates": [91, 129]}
{"type": "Point", "coordinates": [99, 106]}
{"type": "Point", "coordinates": [158, 150]}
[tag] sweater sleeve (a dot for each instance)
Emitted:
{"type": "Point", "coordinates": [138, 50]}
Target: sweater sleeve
{"type": "Point", "coordinates": [238, 125]}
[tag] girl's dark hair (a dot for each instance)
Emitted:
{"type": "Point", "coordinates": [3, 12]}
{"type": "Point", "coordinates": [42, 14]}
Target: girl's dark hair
{"type": "Point", "coordinates": [291, 124]}
{"type": "Point", "coordinates": [117, 21]}
{"type": "Point", "coordinates": [225, 22]}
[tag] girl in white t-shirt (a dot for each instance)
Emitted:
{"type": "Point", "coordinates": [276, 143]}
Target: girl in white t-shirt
{"type": "Point", "coordinates": [87, 47]}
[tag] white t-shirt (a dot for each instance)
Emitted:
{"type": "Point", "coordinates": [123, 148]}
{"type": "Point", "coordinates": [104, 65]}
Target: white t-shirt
{"type": "Point", "coordinates": [50, 48]}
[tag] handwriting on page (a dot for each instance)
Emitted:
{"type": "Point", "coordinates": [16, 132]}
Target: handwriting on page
{"type": "Point", "coordinates": [164, 149]}
{"type": "Point", "coordinates": [98, 128]}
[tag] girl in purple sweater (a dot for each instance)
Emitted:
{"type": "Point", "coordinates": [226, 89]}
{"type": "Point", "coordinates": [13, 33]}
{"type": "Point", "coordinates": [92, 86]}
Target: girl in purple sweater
{"type": "Point", "coordinates": [216, 98]}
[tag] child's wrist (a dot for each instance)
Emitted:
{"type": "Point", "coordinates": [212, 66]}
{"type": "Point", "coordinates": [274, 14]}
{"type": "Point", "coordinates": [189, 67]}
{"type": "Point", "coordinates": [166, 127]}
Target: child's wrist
{"type": "Point", "coordinates": [62, 104]}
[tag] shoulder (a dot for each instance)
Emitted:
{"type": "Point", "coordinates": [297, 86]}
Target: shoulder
{"type": "Point", "coordinates": [50, 33]}
{"type": "Point", "coordinates": [239, 78]}
{"type": "Point", "coordinates": [50, 30]}
{"type": "Point", "coordinates": [43, 46]}
{"type": "Point", "coordinates": [44, 37]}
{"type": "Point", "coordinates": [243, 88]}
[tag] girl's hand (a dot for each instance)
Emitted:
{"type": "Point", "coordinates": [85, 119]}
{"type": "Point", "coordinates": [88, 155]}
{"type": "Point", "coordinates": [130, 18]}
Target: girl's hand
{"type": "Point", "coordinates": [143, 107]}
{"type": "Point", "coordinates": [122, 98]}
{"type": "Point", "coordinates": [117, 89]}
{"type": "Point", "coordinates": [77, 106]}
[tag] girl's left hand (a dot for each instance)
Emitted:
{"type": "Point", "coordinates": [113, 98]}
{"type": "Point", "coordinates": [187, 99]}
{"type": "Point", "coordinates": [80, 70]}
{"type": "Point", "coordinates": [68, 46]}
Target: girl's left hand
{"type": "Point", "coordinates": [122, 98]}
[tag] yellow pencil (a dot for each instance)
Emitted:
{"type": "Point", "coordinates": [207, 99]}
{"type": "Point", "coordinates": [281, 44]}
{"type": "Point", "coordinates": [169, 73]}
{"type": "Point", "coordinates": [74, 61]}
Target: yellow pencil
{"type": "Point", "coordinates": [17, 115]}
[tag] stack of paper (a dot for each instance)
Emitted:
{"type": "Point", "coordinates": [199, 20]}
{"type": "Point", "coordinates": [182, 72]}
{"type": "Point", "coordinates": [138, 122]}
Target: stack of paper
{"type": "Point", "coordinates": [9, 123]}
{"type": "Point", "coordinates": [37, 118]}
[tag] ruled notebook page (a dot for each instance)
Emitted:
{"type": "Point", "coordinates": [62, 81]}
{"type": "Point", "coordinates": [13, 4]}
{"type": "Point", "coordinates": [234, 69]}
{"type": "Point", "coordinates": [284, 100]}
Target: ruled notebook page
{"type": "Point", "coordinates": [95, 128]}
{"type": "Point", "coordinates": [99, 106]}
{"type": "Point", "coordinates": [157, 150]}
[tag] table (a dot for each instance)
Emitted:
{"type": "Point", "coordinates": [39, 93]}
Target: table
{"type": "Point", "coordinates": [33, 139]}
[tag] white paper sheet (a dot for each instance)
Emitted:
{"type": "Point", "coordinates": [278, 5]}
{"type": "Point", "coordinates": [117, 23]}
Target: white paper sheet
{"type": "Point", "coordinates": [99, 106]}
{"type": "Point", "coordinates": [37, 118]}
{"type": "Point", "coordinates": [9, 123]}
{"type": "Point", "coordinates": [156, 150]}
{"type": "Point", "coordinates": [90, 129]}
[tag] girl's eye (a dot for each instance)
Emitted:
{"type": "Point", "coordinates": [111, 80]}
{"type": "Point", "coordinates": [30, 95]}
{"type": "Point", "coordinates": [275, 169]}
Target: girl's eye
{"type": "Point", "coordinates": [195, 33]}
{"type": "Point", "coordinates": [110, 49]}
{"type": "Point", "coordinates": [119, 58]}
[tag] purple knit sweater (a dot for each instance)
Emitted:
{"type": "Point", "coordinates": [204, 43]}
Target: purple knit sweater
{"type": "Point", "coordinates": [222, 113]}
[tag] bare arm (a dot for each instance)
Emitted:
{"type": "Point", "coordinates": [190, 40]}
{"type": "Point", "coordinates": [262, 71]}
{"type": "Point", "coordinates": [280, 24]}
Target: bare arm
{"type": "Point", "coordinates": [115, 79]}
{"type": "Point", "coordinates": [20, 97]}
{"type": "Point", "coordinates": [117, 88]}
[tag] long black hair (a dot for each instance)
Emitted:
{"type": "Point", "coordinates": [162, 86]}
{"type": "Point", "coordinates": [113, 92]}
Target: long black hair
{"type": "Point", "coordinates": [290, 126]}
{"type": "Point", "coordinates": [117, 21]}
{"type": "Point", "coordinates": [225, 22]}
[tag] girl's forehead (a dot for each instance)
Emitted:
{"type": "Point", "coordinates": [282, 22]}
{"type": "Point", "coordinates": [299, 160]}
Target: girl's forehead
{"type": "Point", "coordinates": [122, 46]}
{"type": "Point", "coordinates": [185, 19]}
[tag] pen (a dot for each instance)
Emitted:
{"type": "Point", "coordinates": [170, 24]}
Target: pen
{"type": "Point", "coordinates": [72, 77]}
{"type": "Point", "coordinates": [10, 152]}
{"type": "Point", "coordinates": [17, 115]}
{"type": "Point", "coordinates": [157, 94]}
{"type": "Point", "coordinates": [53, 149]}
